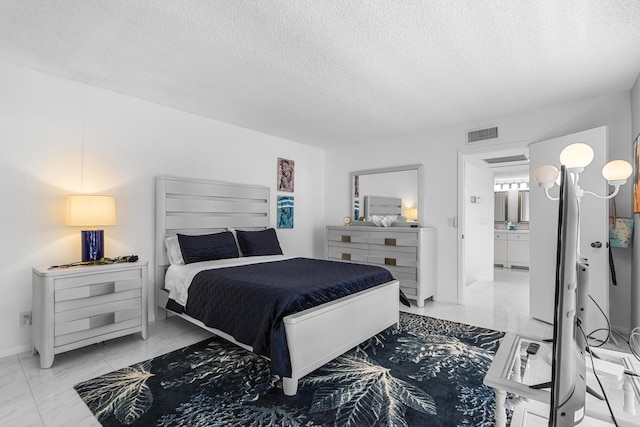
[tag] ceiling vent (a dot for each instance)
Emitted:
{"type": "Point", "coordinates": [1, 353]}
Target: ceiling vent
{"type": "Point", "coordinates": [507, 159]}
{"type": "Point", "coordinates": [480, 135]}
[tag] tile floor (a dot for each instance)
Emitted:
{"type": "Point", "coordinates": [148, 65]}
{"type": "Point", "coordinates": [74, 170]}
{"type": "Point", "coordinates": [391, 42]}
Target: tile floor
{"type": "Point", "coordinates": [30, 396]}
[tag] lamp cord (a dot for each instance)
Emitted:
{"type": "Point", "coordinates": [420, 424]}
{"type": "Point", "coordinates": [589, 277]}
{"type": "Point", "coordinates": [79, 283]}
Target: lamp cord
{"type": "Point", "coordinates": [593, 366]}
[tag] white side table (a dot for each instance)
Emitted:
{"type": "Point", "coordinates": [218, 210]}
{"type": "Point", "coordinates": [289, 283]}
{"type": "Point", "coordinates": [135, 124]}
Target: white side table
{"type": "Point", "coordinates": [512, 371]}
{"type": "Point", "coordinates": [78, 306]}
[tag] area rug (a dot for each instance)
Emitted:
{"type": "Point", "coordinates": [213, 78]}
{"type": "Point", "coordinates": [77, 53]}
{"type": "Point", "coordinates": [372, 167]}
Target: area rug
{"type": "Point", "coordinates": [427, 372]}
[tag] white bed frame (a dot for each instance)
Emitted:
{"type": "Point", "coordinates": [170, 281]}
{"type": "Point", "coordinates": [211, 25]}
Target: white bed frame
{"type": "Point", "coordinates": [314, 336]}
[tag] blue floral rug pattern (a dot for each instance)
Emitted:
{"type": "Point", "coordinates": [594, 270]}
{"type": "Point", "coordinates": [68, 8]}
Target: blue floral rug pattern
{"type": "Point", "coordinates": [427, 372]}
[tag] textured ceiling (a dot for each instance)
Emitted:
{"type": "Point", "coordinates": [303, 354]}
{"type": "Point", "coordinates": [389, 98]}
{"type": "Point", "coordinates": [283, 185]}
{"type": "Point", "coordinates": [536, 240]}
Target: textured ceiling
{"type": "Point", "coordinates": [329, 73]}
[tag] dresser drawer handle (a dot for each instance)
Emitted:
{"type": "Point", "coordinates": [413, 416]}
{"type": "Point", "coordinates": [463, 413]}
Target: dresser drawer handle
{"type": "Point", "coordinates": [102, 320]}
{"type": "Point", "coordinates": [390, 242]}
{"type": "Point", "coordinates": [389, 261]}
{"type": "Point", "coordinates": [346, 257]}
{"type": "Point", "coordinates": [346, 239]}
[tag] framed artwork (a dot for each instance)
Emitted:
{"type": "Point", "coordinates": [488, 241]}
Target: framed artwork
{"type": "Point", "coordinates": [636, 175]}
{"type": "Point", "coordinates": [285, 211]}
{"type": "Point", "coordinates": [286, 169]}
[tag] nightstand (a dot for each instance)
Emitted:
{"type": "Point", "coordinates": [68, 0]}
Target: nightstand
{"type": "Point", "coordinates": [78, 306]}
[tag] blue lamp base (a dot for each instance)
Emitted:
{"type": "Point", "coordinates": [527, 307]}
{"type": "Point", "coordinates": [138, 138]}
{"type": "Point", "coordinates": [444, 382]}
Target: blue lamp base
{"type": "Point", "coordinates": [92, 245]}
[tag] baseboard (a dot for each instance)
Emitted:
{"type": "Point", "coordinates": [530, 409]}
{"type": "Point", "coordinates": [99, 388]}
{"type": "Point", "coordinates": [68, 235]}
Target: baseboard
{"type": "Point", "coordinates": [15, 350]}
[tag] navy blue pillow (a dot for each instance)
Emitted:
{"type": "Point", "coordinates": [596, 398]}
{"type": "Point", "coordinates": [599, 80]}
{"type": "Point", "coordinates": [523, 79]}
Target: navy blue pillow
{"type": "Point", "coordinates": [256, 243]}
{"type": "Point", "coordinates": [207, 247]}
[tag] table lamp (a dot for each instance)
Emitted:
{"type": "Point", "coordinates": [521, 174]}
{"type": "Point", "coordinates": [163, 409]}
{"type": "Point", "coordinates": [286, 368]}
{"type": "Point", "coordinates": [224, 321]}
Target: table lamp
{"type": "Point", "coordinates": [84, 210]}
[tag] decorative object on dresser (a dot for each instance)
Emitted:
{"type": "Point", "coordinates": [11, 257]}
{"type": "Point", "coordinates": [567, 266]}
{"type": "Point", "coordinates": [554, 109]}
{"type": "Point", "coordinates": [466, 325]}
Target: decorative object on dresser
{"type": "Point", "coordinates": [409, 253]}
{"type": "Point", "coordinates": [78, 306]}
{"type": "Point", "coordinates": [87, 210]}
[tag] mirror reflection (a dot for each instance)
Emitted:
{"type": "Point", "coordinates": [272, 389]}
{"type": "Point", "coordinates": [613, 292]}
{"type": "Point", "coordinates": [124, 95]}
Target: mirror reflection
{"type": "Point", "coordinates": [500, 209]}
{"type": "Point", "coordinates": [388, 191]}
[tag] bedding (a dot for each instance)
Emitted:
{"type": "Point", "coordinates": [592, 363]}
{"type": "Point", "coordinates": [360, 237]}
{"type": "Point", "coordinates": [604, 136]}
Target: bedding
{"type": "Point", "coordinates": [259, 243]}
{"type": "Point", "coordinates": [208, 247]}
{"type": "Point", "coordinates": [249, 302]}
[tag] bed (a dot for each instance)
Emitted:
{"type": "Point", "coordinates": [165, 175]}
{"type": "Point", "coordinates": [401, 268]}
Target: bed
{"type": "Point", "coordinates": [313, 335]}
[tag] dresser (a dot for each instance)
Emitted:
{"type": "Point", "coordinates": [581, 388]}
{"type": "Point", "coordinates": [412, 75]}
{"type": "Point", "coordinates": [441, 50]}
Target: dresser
{"type": "Point", "coordinates": [511, 248]}
{"type": "Point", "coordinates": [77, 306]}
{"type": "Point", "coordinates": [408, 253]}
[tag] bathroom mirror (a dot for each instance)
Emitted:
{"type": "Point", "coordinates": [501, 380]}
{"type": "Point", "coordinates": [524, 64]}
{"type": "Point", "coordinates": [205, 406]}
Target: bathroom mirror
{"type": "Point", "coordinates": [523, 206]}
{"type": "Point", "coordinates": [500, 198]}
{"type": "Point", "coordinates": [399, 181]}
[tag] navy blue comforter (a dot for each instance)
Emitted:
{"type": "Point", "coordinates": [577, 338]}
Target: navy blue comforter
{"type": "Point", "coordinates": [249, 302]}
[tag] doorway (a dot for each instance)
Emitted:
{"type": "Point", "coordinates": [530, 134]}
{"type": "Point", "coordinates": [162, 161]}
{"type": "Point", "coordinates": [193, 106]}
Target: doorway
{"type": "Point", "coordinates": [480, 275]}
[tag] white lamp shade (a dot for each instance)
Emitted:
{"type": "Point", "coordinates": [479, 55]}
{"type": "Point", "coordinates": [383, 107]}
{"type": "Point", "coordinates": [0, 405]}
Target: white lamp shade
{"type": "Point", "coordinates": [577, 155]}
{"type": "Point", "coordinates": [84, 210]}
{"type": "Point", "coordinates": [412, 214]}
{"type": "Point", "coordinates": [617, 170]}
{"type": "Point", "coordinates": [545, 176]}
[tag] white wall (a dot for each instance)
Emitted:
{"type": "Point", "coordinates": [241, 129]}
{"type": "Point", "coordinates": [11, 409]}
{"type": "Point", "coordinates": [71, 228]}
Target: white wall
{"type": "Point", "coordinates": [127, 142]}
{"type": "Point", "coordinates": [437, 150]}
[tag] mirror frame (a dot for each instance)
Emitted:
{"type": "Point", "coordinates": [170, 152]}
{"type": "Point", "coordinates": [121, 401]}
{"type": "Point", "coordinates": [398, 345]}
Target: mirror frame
{"type": "Point", "coordinates": [505, 207]}
{"type": "Point", "coordinates": [520, 206]}
{"type": "Point", "coordinates": [415, 167]}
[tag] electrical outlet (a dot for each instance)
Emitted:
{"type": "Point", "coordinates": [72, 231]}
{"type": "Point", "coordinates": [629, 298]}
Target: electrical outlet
{"type": "Point", "coordinates": [25, 319]}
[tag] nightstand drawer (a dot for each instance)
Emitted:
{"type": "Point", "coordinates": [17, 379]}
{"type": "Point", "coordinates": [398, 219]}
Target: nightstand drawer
{"type": "Point", "coordinates": [98, 278]}
{"type": "Point", "coordinates": [129, 299]}
{"type": "Point", "coordinates": [97, 289]}
{"type": "Point", "coordinates": [91, 302]}
{"type": "Point", "coordinates": [91, 333]}
{"type": "Point", "coordinates": [97, 321]}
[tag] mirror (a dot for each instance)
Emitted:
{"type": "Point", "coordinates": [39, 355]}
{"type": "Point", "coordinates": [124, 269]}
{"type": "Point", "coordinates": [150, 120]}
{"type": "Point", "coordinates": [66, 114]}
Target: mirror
{"type": "Point", "coordinates": [500, 198]}
{"type": "Point", "coordinates": [401, 182]}
{"type": "Point", "coordinates": [523, 206]}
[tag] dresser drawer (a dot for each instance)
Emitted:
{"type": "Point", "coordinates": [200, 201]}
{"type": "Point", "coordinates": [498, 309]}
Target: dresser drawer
{"type": "Point", "coordinates": [347, 236]}
{"type": "Point", "coordinates": [411, 290]}
{"type": "Point", "coordinates": [403, 274]}
{"type": "Point", "coordinates": [393, 240]}
{"type": "Point", "coordinates": [347, 253]}
{"type": "Point", "coordinates": [388, 258]}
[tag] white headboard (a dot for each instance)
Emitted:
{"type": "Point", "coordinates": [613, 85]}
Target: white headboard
{"type": "Point", "coordinates": [195, 206]}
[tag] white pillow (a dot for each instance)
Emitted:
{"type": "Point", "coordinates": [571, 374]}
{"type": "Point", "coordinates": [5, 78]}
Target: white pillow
{"type": "Point", "coordinates": [235, 237]}
{"type": "Point", "coordinates": [173, 250]}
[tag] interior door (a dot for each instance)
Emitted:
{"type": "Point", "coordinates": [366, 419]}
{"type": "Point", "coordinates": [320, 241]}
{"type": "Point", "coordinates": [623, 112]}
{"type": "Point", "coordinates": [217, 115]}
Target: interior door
{"type": "Point", "coordinates": [593, 223]}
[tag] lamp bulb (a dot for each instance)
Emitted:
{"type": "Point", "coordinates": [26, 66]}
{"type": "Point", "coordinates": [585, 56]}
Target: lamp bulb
{"type": "Point", "coordinates": [545, 176]}
{"type": "Point", "coordinates": [617, 170]}
{"type": "Point", "coordinates": [576, 156]}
